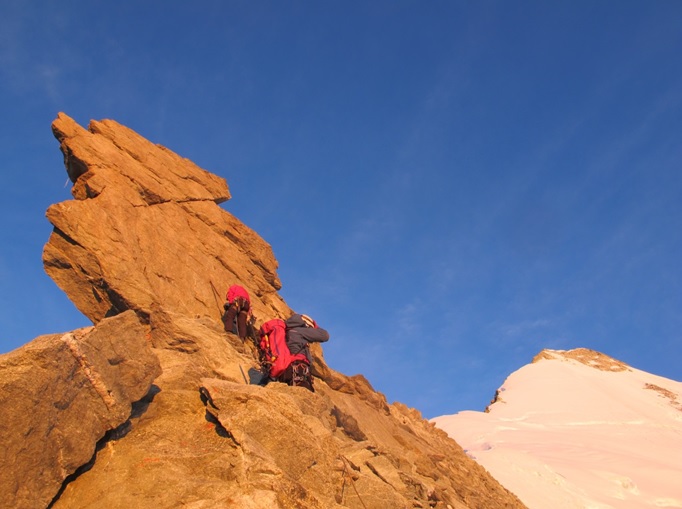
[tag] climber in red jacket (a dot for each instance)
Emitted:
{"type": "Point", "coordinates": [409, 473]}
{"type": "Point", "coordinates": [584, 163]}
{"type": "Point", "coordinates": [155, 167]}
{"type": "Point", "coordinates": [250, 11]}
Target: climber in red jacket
{"type": "Point", "coordinates": [238, 305]}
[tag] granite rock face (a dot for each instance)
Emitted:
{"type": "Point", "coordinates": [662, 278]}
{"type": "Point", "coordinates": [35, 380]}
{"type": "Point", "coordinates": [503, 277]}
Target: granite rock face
{"type": "Point", "coordinates": [59, 395]}
{"type": "Point", "coordinates": [146, 243]}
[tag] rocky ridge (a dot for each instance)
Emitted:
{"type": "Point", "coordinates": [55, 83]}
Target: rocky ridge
{"type": "Point", "coordinates": [150, 407]}
{"type": "Point", "coordinates": [585, 356]}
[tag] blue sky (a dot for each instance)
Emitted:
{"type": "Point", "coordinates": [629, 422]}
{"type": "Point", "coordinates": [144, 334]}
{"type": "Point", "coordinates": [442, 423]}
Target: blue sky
{"type": "Point", "coordinates": [449, 187]}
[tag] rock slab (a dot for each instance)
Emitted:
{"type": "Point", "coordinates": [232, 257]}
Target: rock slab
{"type": "Point", "coordinates": [59, 395]}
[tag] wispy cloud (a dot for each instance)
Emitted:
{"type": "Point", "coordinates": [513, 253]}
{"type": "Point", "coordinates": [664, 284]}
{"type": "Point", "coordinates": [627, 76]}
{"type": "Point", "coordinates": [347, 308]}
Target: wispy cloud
{"type": "Point", "coordinates": [12, 51]}
{"type": "Point", "coordinates": [27, 67]}
{"type": "Point", "coordinates": [513, 331]}
{"type": "Point", "coordinates": [410, 319]}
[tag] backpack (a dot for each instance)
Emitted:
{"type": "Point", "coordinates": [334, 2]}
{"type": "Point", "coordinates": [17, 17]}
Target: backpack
{"type": "Point", "coordinates": [273, 351]}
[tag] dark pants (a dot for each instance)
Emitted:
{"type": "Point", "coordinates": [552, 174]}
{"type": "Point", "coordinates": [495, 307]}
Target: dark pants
{"type": "Point", "coordinates": [238, 308]}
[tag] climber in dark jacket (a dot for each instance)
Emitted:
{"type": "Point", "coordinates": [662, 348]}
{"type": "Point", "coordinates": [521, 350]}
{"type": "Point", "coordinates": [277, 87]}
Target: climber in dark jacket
{"type": "Point", "coordinates": [301, 331]}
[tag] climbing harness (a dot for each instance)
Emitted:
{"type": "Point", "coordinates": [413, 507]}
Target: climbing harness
{"type": "Point", "coordinates": [300, 375]}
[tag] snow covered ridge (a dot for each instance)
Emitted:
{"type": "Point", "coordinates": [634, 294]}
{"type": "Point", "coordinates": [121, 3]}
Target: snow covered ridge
{"type": "Point", "coordinates": [579, 429]}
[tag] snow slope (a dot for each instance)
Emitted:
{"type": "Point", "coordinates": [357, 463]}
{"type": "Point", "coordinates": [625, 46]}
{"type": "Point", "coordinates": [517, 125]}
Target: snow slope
{"type": "Point", "coordinates": [578, 429]}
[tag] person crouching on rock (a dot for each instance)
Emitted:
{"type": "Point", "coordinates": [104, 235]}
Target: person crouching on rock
{"type": "Point", "coordinates": [238, 305]}
{"type": "Point", "coordinates": [301, 331]}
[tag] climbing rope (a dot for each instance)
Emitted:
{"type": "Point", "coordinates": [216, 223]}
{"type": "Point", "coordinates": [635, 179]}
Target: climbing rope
{"type": "Point", "coordinates": [217, 297]}
{"type": "Point", "coordinates": [352, 482]}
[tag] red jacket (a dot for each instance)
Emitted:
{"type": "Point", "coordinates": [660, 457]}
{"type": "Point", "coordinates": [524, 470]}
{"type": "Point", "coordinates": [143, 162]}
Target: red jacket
{"type": "Point", "coordinates": [236, 291]}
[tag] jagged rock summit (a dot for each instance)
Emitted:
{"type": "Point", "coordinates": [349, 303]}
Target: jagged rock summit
{"type": "Point", "coordinates": [150, 407]}
{"type": "Point", "coordinates": [585, 356]}
{"type": "Point", "coordinates": [145, 228]}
